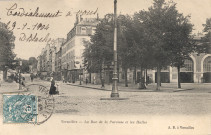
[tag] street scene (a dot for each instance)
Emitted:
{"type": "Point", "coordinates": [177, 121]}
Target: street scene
{"type": "Point", "coordinates": [104, 58]}
{"type": "Point", "coordinates": [76, 99]}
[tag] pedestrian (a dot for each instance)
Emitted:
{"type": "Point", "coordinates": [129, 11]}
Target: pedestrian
{"type": "Point", "coordinates": [94, 80]}
{"type": "Point", "coordinates": [53, 87]}
{"type": "Point", "coordinates": [23, 81]}
{"type": "Point", "coordinates": [32, 77]}
{"type": "Point", "coordinates": [86, 81]}
{"type": "Point", "coordinates": [16, 77]}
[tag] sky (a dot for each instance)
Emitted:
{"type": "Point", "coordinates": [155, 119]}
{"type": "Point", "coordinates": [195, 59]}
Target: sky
{"type": "Point", "coordinates": [60, 26]}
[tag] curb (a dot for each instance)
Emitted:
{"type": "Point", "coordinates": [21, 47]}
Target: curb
{"type": "Point", "coordinates": [182, 90]}
{"type": "Point", "coordinates": [110, 90]}
{"type": "Point", "coordinates": [89, 87]}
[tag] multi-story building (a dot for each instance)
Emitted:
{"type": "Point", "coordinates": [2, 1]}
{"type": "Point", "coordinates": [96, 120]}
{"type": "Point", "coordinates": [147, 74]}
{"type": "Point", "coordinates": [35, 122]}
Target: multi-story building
{"type": "Point", "coordinates": [48, 59]}
{"type": "Point", "coordinates": [51, 61]}
{"type": "Point", "coordinates": [42, 63]}
{"type": "Point", "coordinates": [58, 65]}
{"type": "Point", "coordinates": [72, 49]}
{"type": "Point", "coordinates": [56, 58]}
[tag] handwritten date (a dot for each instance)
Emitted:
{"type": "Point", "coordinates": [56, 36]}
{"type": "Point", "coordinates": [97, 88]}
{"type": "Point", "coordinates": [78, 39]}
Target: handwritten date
{"type": "Point", "coordinates": [38, 26]}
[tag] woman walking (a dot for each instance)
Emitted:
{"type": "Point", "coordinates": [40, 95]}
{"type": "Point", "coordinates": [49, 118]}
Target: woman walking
{"type": "Point", "coordinates": [53, 88]}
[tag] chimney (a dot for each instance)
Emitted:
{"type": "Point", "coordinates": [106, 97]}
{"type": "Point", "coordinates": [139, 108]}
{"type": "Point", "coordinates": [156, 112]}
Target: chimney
{"type": "Point", "coordinates": [81, 19]}
{"type": "Point", "coordinates": [77, 19]}
{"type": "Point", "coordinates": [97, 16]}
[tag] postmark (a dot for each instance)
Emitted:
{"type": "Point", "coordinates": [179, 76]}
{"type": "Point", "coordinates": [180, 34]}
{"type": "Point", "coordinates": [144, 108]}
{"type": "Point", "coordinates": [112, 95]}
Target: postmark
{"type": "Point", "coordinates": [45, 104]}
{"type": "Point", "coordinates": [35, 106]}
{"type": "Point", "coordinates": [19, 109]}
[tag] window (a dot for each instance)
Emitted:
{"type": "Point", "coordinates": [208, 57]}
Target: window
{"type": "Point", "coordinates": [207, 64]}
{"type": "Point", "coordinates": [83, 30]}
{"type": "Point", "coordinates": [188, 65]}
{"type": "Point", "coordinates": [93, 30]}
{"type": "Point", "coordinates": [89, 30]}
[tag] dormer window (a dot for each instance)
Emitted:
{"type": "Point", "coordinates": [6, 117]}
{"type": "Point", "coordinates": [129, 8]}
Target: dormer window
{"type": "Point", "coordinates": [83, 30]}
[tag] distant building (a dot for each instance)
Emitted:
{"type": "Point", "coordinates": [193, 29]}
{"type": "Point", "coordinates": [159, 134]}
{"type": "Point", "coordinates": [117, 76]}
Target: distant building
{"type": "Point", "coordinates": [48, 59]}
{"type": "Point", "coordinates": [73, 48]}
{"type": "Point", "coordinates": [56, 58]}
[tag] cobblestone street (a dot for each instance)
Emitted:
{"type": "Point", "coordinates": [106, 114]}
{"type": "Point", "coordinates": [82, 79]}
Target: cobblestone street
{"type": "Point", "coordinates": [74, 100]}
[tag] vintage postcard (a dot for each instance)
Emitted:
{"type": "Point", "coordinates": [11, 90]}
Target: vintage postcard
{"type": "Point", "coordinates": [94, 67]}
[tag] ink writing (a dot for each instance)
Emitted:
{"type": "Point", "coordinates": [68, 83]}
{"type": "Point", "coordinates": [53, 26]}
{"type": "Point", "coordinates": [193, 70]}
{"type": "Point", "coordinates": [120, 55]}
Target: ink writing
{"type": "Point", "coordinates": [25, 26]}
{"type": "Point", "coordinates": [35, 38]}
{"type": "Point", "coordinates": [15, 11]}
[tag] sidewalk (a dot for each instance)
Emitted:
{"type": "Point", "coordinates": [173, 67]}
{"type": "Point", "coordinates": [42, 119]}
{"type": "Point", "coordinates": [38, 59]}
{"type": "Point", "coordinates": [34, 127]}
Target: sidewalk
{"type": "Point", "coordinates": [10, 88]}
{"type": "Point", "coordinates": [133, 87]}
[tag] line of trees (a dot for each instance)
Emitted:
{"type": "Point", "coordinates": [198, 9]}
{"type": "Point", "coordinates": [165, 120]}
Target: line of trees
{"type": "Point", "coordinates": [6, 50]}
{"type": "Point", "coordinates": [26, 64]}
{"type": "Point", "coordinates": [206, 40]}
{"type": "Point", "coordinates": [152, 39]}
{"type": "Point", "coordinates": [7, 55]}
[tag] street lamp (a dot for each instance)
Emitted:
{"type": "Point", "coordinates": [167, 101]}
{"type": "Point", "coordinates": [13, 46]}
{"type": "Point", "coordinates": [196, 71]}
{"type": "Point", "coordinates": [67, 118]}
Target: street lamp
{"type": "Point", "coordinates": [114, 92]}
{"type": "Point", "coordinates": [80, 75]}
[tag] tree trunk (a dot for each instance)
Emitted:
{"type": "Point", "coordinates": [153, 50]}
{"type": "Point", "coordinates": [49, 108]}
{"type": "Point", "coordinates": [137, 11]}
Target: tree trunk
{"type": "Point", "coordinates": [147, 81]}
{"type": "Point", "coordinates": [158, 78]}
{"type": "Point", "coordinates": [178, 72]}
{"type": "Point", "coordinates": [90, 77]}
{"type": "Point", "coordinates": [142, 80]}
{"type": "Point", "coordinates": [135, 77]}
{"type": "Point", "coordinates": [102, 80]}
{"type": "Point", "coordinates": [5, 74]}
{"type": "Point", "coordinates": [160, 83]}
{"type": "Point", "coordinates": [118, 72]}
{"type": "Point", "coordinates": [126, 82]}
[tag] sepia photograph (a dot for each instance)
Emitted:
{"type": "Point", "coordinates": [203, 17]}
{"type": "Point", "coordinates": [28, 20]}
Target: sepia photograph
{"type": "Point", "coordinates": [94, 67]}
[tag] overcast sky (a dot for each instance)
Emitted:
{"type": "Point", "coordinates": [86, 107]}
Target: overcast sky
{"type": "Point", "coordinates": [60, 26]}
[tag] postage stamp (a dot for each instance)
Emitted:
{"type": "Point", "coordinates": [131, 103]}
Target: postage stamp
{"type": "Point", "coordinates": [20, 109]}
{"type": "Point", "coordinates": [34, 107]}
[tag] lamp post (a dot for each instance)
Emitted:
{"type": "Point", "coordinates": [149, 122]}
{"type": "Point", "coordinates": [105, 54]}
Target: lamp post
{"type": "Point", "coordinates": [114, 92]}
{"type": "Point", "coordinates": [80, 75]}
